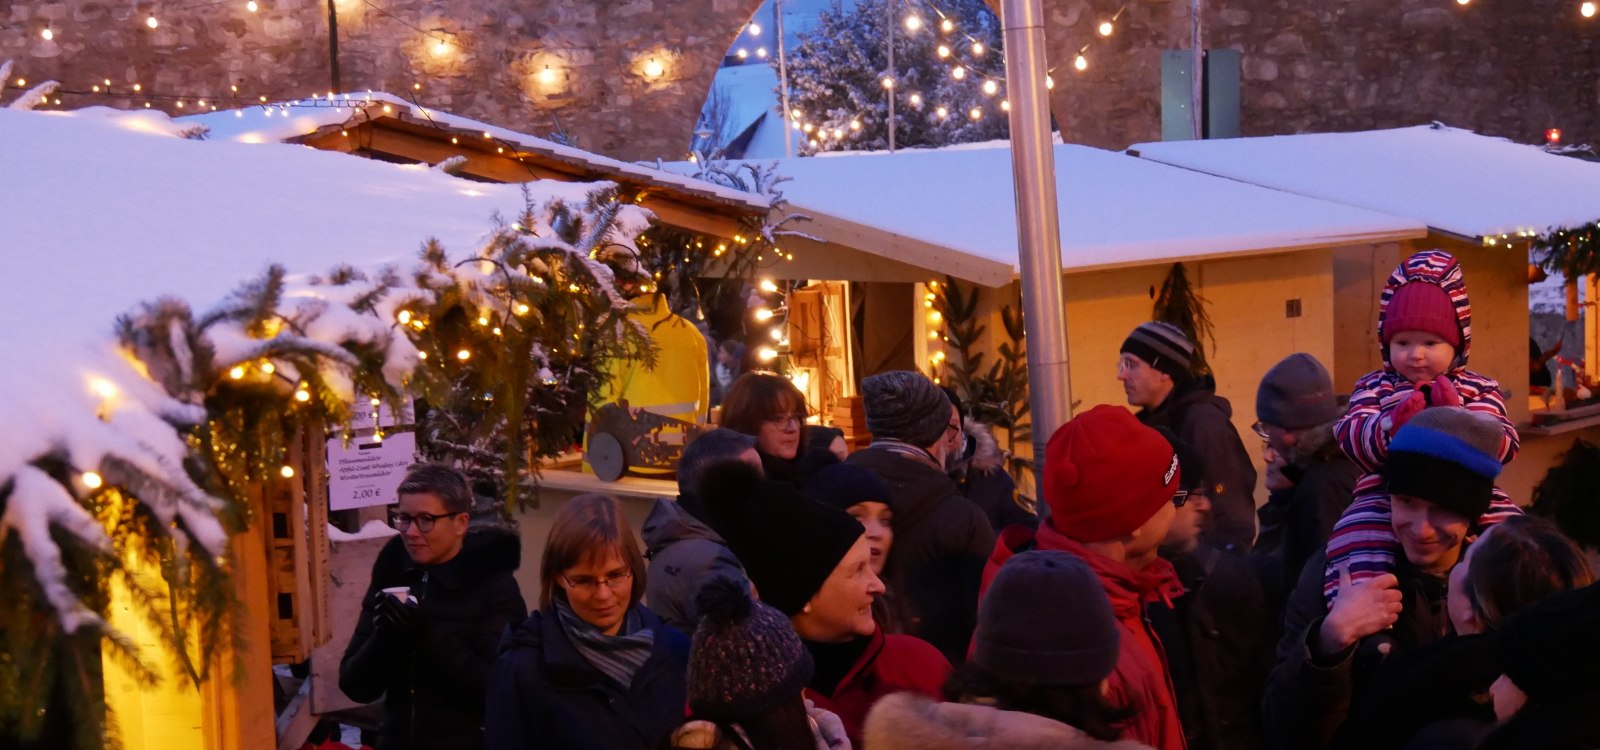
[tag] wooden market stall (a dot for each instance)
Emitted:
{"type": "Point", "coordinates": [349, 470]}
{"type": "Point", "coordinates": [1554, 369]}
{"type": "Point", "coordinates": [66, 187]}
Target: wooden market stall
{"type": "Point", "coordinates": [1484, 199]}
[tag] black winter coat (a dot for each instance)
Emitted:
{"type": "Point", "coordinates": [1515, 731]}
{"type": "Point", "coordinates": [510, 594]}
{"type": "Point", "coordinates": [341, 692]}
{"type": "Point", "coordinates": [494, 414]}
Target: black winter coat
{"type": "Point", "coordinates": [545, 694]}
{"type": "Point", "coordinates": [1295, 523]}
{"type": "Point", "coordinates": [433, 684]}
{"type": "Point", "coordinates": [1446, 680]}
{"type": "Point", "coordinates": [1309, 699]}
{"type": "Point", "coordinates": [941, 543]}
{"type": "Point", "coordinates": [1219, 639]}
{"type": "Point", "coordinates": [1571, 724]}
{"type": "Point", "coordinates": [1204, 422]}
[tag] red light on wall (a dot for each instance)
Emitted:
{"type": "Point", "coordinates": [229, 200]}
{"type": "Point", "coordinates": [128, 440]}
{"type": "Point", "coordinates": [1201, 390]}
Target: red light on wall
{"type": "Point", "coordinates": [1552, 136]}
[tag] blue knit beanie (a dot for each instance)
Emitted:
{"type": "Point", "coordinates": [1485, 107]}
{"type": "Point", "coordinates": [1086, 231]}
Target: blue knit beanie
{"type": "Point", "coordinates": [1448, 456]}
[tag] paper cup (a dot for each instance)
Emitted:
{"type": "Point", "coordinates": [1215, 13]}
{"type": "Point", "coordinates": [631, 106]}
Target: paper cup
{"type": "Point", "coordinates": [403, 593]}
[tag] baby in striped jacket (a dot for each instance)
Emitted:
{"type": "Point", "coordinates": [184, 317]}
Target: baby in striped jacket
{"type": "Point", "coordinates": [1425, 330]}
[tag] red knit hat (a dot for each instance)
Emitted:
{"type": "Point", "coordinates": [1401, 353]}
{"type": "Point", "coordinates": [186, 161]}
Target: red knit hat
{"type": "Point", "coordinates": [1105, 474]}
{"type": "Point", "coordinates": [1422, 306]}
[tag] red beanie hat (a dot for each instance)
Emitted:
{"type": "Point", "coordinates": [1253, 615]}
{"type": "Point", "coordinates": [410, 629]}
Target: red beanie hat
{"type": "Point", "coordinates": [1105, 474]}
{"type": "Point", "coordinates": [1422, 306]}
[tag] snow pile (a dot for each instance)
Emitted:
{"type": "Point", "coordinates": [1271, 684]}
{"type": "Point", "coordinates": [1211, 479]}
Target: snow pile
{"type": "Point", "coordinates": [371, 530]}
{"type": "Point", "coordinates": [107, 211]}
{"type": "Point", "coordinates": [1453, 180]}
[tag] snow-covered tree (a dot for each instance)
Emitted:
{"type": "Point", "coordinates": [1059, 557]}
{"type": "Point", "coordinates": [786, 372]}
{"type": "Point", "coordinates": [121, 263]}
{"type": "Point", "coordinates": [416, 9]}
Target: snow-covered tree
{"type": "Point", "coordinates": [837, 75]}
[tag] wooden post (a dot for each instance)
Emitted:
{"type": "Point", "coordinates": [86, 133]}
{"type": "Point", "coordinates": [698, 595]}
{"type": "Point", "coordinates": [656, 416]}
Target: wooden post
{"type": "Point", "coordinates": [238, 707]}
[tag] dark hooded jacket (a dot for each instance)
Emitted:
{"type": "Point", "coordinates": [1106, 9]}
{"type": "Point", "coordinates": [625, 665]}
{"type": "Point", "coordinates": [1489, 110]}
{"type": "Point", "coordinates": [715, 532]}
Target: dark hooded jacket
{"type": "Point", "coordinates": [1296, 522]}
{"type": "Point", "coordinates": [981, 476]}
{"type": "Point", "coordinates": [684, 554]}
{"type": "Point", "coordinates": [941, 543]}
{"type": "Point", "coordinates": [545, 694]}
{"type": "Point", "coordinates": [1203, 421]}
{"type": "Point", "coordinates": [433, 683]}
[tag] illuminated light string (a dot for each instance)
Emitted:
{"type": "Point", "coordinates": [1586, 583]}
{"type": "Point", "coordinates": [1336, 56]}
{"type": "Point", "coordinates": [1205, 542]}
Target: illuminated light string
{"type": "Point", "coordinates": [966, 60]}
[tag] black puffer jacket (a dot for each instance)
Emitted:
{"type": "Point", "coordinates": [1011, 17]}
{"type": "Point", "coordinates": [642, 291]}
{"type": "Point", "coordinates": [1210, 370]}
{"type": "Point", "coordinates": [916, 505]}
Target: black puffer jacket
{"type": "Point", "coordinates": [1204, 421]}
{"type": "Point", "coordinates": [941, 543]}
{"type": "Point", "coordinates": [1219, 640]}
{"type": "Point", "coordinates": [433, 684]}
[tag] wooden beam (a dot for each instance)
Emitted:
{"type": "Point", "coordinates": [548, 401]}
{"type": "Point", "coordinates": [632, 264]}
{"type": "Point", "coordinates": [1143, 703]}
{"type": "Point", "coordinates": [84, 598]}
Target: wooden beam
{"type": "Point", "coordinates": [237, 705]}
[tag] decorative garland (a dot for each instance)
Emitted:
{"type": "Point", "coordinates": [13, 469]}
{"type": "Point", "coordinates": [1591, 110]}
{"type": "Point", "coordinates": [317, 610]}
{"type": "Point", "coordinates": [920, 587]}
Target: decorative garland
{"type": "Point", "coordinates": [1572, 251]}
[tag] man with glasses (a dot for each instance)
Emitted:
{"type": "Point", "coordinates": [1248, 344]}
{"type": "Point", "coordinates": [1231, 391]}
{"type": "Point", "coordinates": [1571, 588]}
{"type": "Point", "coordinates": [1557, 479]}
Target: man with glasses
{"type": "Point", "coordinates": [1157, 371]}
{"type": "Point", "coordinates": [1296, 407]}
{"type": "Point", "coordinates": [941, 538]}
{"type": "Point", "coordinates": [439, 598]}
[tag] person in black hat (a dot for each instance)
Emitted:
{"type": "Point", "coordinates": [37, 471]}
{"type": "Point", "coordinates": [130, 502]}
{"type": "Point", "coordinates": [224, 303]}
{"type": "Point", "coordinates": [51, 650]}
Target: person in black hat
{"type": "Point", "coordinates": [1158, 375]}
{"type": "Point", "coordinates": [867, 499]}
{"type": "Point", "coordinates": [811, 562]}
{"type": "Point", "coordinates": [1045, 645]}
{"type": "Point", "coordinates": [941, 538]}
{"type": "Point", "coordinates": [1549, 697]}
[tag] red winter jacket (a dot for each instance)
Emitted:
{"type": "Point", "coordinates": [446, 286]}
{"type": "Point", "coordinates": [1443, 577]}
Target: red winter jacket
{"type": "Point", "coordinates": [891, 664]}
{"type": "Point", "coordinates": [1141, 680]}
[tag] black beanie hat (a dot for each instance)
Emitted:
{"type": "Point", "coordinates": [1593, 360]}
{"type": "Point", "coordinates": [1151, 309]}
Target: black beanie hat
{"type": "Point", "coordinates": [788, 544]}
{"type": "Point", "coordinates": [1164, 347]}
{"type": "Point", "coordinates": [906, 406]}
{"type": "Point", "coordinates": [843, 485]}
{"type": "Point", "coordinates": [1046, 619]}
{"type": "Point", "coordinates": [1448, 456]}
{"type": "Point", "coordinates": [1297, 393]}
{"type": "Point", "coordinates": [746, 661]}
{"type": "Point", "coordinates": [1548, 649]}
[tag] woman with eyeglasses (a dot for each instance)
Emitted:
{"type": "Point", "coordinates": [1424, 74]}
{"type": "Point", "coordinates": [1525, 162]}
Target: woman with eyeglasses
{"type": "Point", "coordinates": [439, 599]}
{"type": "Point", "coordinates": [770, 408]}
{"type": "Point", "coordinates": [592, 668]}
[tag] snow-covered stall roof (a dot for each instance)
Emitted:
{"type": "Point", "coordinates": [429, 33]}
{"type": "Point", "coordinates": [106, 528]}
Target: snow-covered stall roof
{"type": "Point", "coordinates": [293, 121]}
{"type": "Point", "coordinates": [953, 210]}
{"type": "Point", "coordinates": [104, 210]}
{"type": "Point", "coordinates": [1453, 180]}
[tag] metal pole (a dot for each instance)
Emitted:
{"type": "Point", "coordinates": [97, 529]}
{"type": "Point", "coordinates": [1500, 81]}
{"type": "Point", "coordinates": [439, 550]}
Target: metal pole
{"type": "Point", "coordinates": [889, 8]}
{"type": "Point", "coordinates": [783, 78]}
{"type": "Point", "coordinates": [333, 46]}
{"type": "Point", "coordinates": [1038, 226]}
{"type": "Point", "coordinates": [1198, 65]}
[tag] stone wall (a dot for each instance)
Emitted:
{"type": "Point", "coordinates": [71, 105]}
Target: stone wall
{"type": "Point", "coordinates": [1503, 68]}
{"type": "Point", "coordinates": [492, 67]}
{"type": "Point", "coordinates": [1495, 66]}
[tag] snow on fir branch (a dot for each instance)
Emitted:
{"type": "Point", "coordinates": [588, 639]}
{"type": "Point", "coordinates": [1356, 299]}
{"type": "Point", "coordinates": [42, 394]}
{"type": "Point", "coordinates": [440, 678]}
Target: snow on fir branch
{"type": "Point", "coordinates": [31, 98]}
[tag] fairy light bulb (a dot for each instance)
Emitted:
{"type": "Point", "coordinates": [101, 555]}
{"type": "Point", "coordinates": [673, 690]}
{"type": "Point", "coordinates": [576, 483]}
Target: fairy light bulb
{"type": "Point", "coordinates": [302, 395]}
{"type": "Point", "coordinates": [463, 355]}
{"type": "Point", "coordinates": [654, 68]}
{"type": "Point", "coordinates": [237, 373]}
{"type": "Point", "coordinates": [777, 335]}
{"type": "Point", "coordinates": [958, 73]}
{"type": "Point", "coordinates": [287, 472]}
{"type": "Point", "coordinates": [763, 314]}
{"type": "Point", "coordinates": [47, 34]}
{"type": "Point", "coordinates": [1463, 2]}
{"type": "Point", "coordinates": [92, 480]}
{"type": "Point", "coordinates": [944, 51]}
{"type": "Point", "coordinates": [1005, 105]}
{"type": "Point", "coordinates": [742, 54]}
{"type": "Point", "coordinates": [103, 388]}
{"type": "Point", "coordinates": [913, 22]}
{"type": "Point", "coordinates": [838, 133]}
{"type": "Point", "coordinates": [151, 21]}
{"type": "Point", "coordinates": [761, 52]}
{"type": "Point", "coordinates": [991, 87]}
{"type": "Point", "coordinates": [916, 100]}
{"type": "Point", "coordinates": [1107, 28]}
{"type": "Point", "coordinates": [855, 124]}
{"type": "Point", "coordinates": [768, 286]}
{"type": "Point", "coordinates": [975, 113]}
{"type": "Point", "coordinates": [252, 6]}
{"type": "Point", "coordinates": [1081, 63]}
{"type": "Point", "coordinates": [268, 368]}
{"type": "Point", "coordinates": [942, 112]}
{"type": "Point", "coordinates": [404, 317]}
{"type": "Point", "coordinates": [1049, 83]}
{"type": "Point", "coordinates": [767, 354]}
{"type": "Point", "coordinates": [1587, 9]}
{"type": "Point", "coordinates": [978, 48]}
{"type": "Point", "coordinates": [947, 25]}
{"type": "Point", "coordinates": [888, 83]}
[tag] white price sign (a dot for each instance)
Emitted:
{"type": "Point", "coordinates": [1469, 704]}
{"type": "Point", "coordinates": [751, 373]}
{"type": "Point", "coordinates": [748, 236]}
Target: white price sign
{"type": "Point", "coordinates": [366, 472]}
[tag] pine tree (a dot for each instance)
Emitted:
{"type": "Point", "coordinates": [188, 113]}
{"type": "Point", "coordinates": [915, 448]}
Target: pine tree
{"type": "Point", "coordinates": [837, 74]}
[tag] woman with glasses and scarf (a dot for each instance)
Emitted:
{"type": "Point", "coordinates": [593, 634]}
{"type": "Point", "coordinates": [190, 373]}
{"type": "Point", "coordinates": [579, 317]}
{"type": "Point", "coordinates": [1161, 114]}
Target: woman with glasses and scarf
{"type": "Point", "coordinates": [439, 598]}
{"type": "Point", "coordinates": [592, 668]}
{"type": "Point", "coordinates": [768, 407]}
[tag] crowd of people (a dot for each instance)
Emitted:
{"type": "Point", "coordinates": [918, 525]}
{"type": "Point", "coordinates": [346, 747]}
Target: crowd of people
{"type": "Point", "coordinates": [901, 597]}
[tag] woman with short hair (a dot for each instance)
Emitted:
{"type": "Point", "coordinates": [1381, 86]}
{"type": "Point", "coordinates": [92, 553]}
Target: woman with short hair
{"type": "Point", "coordinates": [770, 408]}
{"type": "Point", "coordinates": [592, 668]}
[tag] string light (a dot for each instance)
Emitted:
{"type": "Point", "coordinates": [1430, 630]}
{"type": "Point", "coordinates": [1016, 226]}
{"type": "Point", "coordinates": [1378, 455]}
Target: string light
{"type": "Point", "coordinates": [1106, 28]}
{"type": "Point", "coordinates": [855, 124]}
{"type": "Point", "coordinates": [942, 112]}
{"type": "Point", "coordinates": [1463, 2]}
{"type": "Point", "coordinates": [1081, 63]}
{"type": "Point", "coordinates": [268, 368]}
{"type": "Point", "coordinates": [103, 388]}
{"type": "Point", "coordinates": [464, 355]}
{"type": "Point", "coordinates": [888, 82]}
{"type": "Point", "coordinates": [302, 395]}
{"type": "Point", "coordinates": [755, 29]}
{"type": "Point", "coordinates": [976, 113]}
{"type": "Point", "coordinates": [252, 6]}
{"type": "Point", "coordinates": [441, 48]}
{"type": "Point", "coordinates": [48, 33]}
{"type": "Point", "coordinates": [977, 48]}
{"type": "Point", "coordinates": [913, 22]}
{"type": "Point", "coordinates": [990, 87]}
{"type": "Point", "coordinates": [958, 72]}
{"type": "Point", "coordinates": [768, 286]}
{"type": "Point", "coordinates": [761, 52]}
{"type": "Point", "coordinates": [151, 21]}
{"type": "Point", "coordinates": [287, 472]}
{"type": "Point", "coordinates": [92, 480]}
{"type": "Point", "coordinates": [654, 68]}
{"type": "Point", "coordinates": [1049, 83]}
{"type": "Point", "coordinates": [916, 100]}
{"type": "Point", "coordinates": [767, 354]}
{"type": "Point", "coordinates": [947, 25]}
{"type": "Point", "coordinates": [1005, 105]}
{"type": "Point", "coordinates": [1587, 9]}
{"type": "Point", "coordinates": [237, 373]}
{"type": "Point", "coordinates": [944, 51]}
{"type": "Point", "coordinates": [742, 54]}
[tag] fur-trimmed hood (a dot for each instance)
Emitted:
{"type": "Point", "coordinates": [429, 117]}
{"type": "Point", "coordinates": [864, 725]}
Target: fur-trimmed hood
{"type": "Point", "coordinates": [983, 453]}
{"type": "Point", "coordinates": [904, 721]}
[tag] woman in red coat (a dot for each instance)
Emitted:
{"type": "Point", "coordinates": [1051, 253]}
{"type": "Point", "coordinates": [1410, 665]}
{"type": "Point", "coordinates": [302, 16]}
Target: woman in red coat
{"type": "Point", "coordinates": [812, 563]}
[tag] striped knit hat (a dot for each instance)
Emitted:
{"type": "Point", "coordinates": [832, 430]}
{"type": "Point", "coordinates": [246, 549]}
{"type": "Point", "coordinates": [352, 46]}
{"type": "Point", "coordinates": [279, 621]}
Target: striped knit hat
{"type": "Point", "coordinates": [1164, 347]}
{"type": "Point", "coordinates": [1446, 455]}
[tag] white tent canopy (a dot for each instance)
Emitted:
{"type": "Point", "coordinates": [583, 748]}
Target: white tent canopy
{"type": "Point", "coordinates": [1453, 180]}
